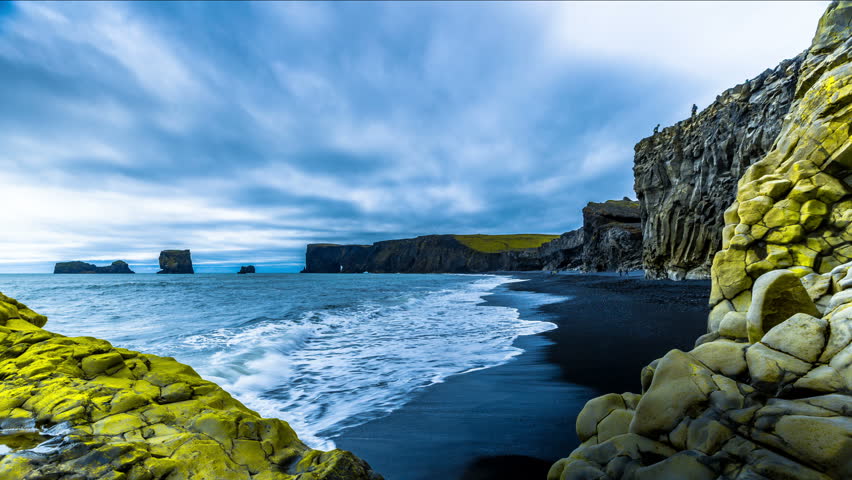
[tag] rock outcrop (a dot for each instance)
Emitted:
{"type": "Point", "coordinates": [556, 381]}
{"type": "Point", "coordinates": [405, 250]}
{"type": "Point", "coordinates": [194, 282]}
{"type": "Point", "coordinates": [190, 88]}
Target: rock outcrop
{"type": "Point", "coordinates": [79, 408]}
{"type": "Point", "coordinates": [175, 261]}
{"type": "Point", "coordinates": [686, 175]}
{"type": "Point", "coordinates": [118, 266]}
{"type": "Point", "coordinates": [767, 393]}
{"type": "Point", "coordinates": [430, 254]}
{"type": "Point", "coordinates": [610, 239]}
{"type": "Point", "coordinates": [612, 236]}
{"type": "Point", "coordinates": [246, 269]}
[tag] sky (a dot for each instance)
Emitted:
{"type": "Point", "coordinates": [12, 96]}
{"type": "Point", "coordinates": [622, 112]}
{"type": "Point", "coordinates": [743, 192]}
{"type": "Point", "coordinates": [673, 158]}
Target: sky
{"type": "Point", "coordinates": [244, 131]}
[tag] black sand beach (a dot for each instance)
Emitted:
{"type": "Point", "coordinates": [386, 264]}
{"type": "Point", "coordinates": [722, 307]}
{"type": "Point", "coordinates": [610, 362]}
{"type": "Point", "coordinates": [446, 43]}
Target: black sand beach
{"type": "Point", "coordinates": [513, 421]}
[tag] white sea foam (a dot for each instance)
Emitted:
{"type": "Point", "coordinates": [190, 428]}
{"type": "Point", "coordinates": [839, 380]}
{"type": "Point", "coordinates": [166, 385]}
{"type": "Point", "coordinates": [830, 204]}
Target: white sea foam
{"type": "Point", "coordinates": [322, 352]}
{"type": "Point", "coordinates": [333, 369]}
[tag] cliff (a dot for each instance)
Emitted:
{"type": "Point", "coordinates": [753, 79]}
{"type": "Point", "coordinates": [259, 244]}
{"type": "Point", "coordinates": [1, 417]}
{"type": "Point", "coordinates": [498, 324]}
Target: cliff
{"type": "Point", "coordinates": [612, 234]}
{"type": "Point", "coordinates": [175, 261]}
{"type": "Point", "coordinates": [118, 266]}
{"type": "Point", "coordinates": [767, 393]}
{"type": "Point", "coordinates": [610, 239]}
{"type": "Point", "coordinates": [77, 407]}
{"type": "Point", "coordinates": [430, 254]}
{"type": "Point", "coordinates": [686, 175]}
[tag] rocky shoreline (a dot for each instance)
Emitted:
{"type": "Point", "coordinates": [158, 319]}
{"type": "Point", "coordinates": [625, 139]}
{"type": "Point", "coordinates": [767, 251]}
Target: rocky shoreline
{"type": "Point", "coordinates": [767, 393]}
{"type": "Point", "coordinates": [100, 412]}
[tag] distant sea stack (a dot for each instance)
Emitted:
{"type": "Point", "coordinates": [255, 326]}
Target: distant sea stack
{"type": "Point", "coordinates": [686, 175]}
{"type": "Point", "coordinates": [175, 261]}
{"type": "Point", "coordinates": [118, 266]}
{"type": "Point", "coordinates": [246, 269]}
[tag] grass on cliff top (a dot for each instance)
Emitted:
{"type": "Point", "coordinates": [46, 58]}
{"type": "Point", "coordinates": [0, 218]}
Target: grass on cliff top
{"type": "Point", "coordinates": [503, 243]}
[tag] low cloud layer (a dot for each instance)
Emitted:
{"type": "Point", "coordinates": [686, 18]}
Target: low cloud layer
{"type": "Point", "coordinates": [246, 130]}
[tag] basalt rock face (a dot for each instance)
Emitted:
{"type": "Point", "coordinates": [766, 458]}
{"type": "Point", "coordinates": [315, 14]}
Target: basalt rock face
{"type": "Point", "coordinates": [686, 175]}
{"type": "Point", "coordinates": [117, 266]}
{"type": "Point", "coordinates": [767, 393]}
{"type": "Point", "coordinates": [79, 408]}
{"type": "Point", "coordinates": [426, 254]}
{"type": "Point", "coordinates": [175, 261]}
{"type": "Point", "coordinates": [612, 236]}
{"type": "Point", "coordinates": [246, 269]}
{"type": "Point", "coordinates": [563, 253]}
{"type": "Point", "coordinates": [610, 239]}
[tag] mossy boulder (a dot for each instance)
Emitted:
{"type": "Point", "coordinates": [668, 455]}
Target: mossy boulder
{"type": "Point", "coordinates": [767, 392]}
{"type": "Point", "coordinates": [100, 412]}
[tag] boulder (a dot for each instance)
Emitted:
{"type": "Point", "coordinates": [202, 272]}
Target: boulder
{"type": "Point", "coordinates": [776, 296]}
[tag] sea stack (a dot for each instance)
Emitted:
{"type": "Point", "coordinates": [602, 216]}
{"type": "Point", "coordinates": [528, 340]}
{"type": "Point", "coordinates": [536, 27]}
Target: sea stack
{"type": "Point", "coordinates": [118, 266]}
{"type": "Point", "coordinates": [175, 261]}
{"type": "Point", "coordinates": [246, 269]}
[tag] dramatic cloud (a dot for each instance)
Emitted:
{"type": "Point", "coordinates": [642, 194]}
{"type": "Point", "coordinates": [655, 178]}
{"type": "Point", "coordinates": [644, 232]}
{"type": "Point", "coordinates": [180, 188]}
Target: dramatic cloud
{"type": "Point", "coordinates": [245, 130]}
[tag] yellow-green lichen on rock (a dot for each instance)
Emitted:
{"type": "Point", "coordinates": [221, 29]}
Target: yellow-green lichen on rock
{"type": "Point", "coordinates": [79, 408]}
{"type": "Point", "coordinates": [767, 393]}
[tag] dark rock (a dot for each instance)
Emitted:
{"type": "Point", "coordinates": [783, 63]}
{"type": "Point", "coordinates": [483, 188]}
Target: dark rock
{"type": "Point", "coordinates": [426, 254]}
{"type": "Point", "coordinates": [247, 269]}
{"type": "Point", "coordinates": [612, 236]}
{"type": "Point", "coordinates": [686, 175]}
{"type": "Point", "coordinates": [175, 261]}
{"type": "Point", "coordinates": [611, 239]}
{"type": "Point", "coordinates": [118, 266]}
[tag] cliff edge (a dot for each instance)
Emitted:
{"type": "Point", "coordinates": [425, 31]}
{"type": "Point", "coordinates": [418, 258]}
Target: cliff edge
{"type": "Point", "coordinates": [686, 175]}
{"type": "Point", "coordinates": [77, 407]}
{"type": "Point", "coordinates": [767, 393]}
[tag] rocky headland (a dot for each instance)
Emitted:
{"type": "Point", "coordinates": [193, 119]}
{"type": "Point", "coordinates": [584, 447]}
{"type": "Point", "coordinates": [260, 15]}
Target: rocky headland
{"type": "Point", "coordinates": [430, 254]}
{"type": "Point", "coordinates": [246, 269]}
{"type": "Point", "coordinates": [610, 239]}
{"type": "Point", "coordinates": [686, 175]}
{"type": "Point", "coordinates": [97, 412]}
{"type": "Point", "coordinates": [767, 393]}
{"type": "Point", "coordinates": [612, 236]}
{"type": "Point", "coordinates": [118, 266]}
{"type": "Point", "coordinates": [175, 261]}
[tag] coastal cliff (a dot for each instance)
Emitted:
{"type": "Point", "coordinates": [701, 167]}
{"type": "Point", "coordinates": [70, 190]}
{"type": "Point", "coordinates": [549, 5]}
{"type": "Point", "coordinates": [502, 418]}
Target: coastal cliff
{"type": "Point", "coordinates": [612, 236]}
{"type": "Point", "coordinates": [77, 407]}
{"type": "Point", "coordinates": [767, 393]}
{"type": "Point", "coordinates": [610, 240]}
{"type": "Point", "coordinates": [686, 175]}
{"type": "Point", "coordinates": [175, 261]}
{"type": "Point", "coordinates": [430, 254]}
{"type": "Point", "coordinates": [118, 266]}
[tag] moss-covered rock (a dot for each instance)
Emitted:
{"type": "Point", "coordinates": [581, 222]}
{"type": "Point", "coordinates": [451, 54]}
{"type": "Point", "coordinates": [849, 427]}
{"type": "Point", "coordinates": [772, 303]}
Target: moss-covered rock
{"type": "Point", "coordinates": [767, 393]}
{"type": "Point", "coordinates": [100, 412]}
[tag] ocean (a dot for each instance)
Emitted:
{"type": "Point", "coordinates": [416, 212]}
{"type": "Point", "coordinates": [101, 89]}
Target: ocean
{"type": "Point", "coordinates": [324, 352]}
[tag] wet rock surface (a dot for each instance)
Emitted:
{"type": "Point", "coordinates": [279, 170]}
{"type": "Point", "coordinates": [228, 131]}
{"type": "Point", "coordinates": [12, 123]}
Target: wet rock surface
{"type": "Point", "coordinates": [767, 393]}
{"type": "Point", "coordinates": [79, 408]}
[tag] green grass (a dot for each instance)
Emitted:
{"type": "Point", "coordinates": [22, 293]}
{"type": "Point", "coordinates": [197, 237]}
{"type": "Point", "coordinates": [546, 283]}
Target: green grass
{"type": "Point", "coordinates": [503, 243]}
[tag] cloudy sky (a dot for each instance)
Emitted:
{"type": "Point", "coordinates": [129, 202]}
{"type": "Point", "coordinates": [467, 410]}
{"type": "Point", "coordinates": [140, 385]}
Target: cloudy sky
{"type": "Point", "coordinates": [246, 130]}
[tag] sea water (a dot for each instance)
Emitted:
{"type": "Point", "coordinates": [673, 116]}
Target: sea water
{"type": "Point", "coordinates": [323, 352]}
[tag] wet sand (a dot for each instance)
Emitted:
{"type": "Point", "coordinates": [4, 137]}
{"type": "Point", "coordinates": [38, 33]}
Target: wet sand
{"type": "Point", "coordinates": [514, 420]}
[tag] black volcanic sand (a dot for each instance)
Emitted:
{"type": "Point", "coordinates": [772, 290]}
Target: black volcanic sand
{"type": "Point", "coordinates": [513, 421]}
